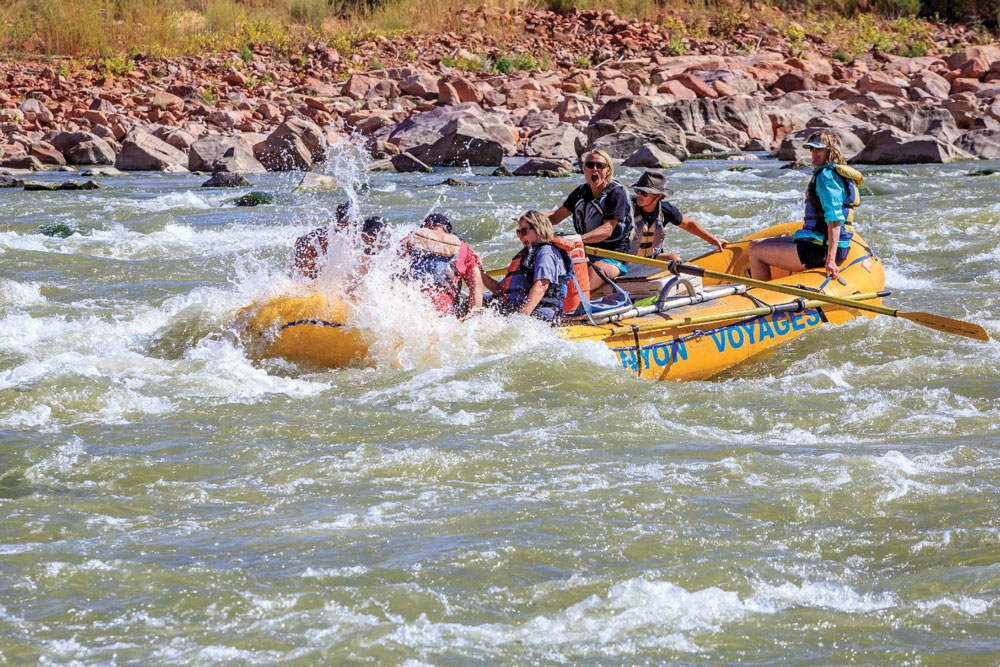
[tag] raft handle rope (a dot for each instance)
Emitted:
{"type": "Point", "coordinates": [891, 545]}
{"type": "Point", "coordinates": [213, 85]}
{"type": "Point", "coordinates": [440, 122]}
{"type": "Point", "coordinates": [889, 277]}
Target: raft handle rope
{"type": "Point", "coordinates": [322, 323]}
{"type": "Point", "coordinates": [859, 259]}
{"type": "Point", "coordinates": [638, 348]}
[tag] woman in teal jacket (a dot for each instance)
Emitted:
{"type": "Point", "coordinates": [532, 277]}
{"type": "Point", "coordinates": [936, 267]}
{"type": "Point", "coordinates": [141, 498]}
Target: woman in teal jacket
{"type": "Point", "coordinates": [825, 237]}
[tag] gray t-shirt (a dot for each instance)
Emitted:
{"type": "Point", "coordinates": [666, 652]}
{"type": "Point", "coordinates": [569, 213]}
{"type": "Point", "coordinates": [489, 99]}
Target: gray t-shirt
{"type": "Point", "coordinates": [548, 266]}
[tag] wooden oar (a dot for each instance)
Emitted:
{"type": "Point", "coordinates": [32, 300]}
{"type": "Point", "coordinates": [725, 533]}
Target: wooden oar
{"type": "Point", "coordinates": [791, 306]}
{"type": "Point", "coordinates": [929, 320]}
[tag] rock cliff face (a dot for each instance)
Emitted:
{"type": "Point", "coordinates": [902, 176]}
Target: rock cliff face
{"type": "Point", "coordinates": [638, 102]}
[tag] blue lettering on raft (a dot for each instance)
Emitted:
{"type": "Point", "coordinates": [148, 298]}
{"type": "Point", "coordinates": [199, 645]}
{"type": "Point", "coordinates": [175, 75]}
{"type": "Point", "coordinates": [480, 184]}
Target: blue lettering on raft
{"type": "Point", "coordinates": [653, 355]}
{"type": "Point", "coordinates": [734, 337]}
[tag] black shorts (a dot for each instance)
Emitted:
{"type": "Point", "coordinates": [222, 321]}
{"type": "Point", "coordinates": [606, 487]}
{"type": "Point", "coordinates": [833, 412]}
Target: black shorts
{"type": "Point", "coordinates": [813, 255]}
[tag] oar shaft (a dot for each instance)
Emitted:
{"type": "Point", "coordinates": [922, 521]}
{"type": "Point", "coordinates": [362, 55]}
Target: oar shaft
{"type": "Point", "coordinates": [929, 320]}
{"type": "Point", "coordinates": [791, 306]}
{"type": "Point", "coordinates": [692, 270]}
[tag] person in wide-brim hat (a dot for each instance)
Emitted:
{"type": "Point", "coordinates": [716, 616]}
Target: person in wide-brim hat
{"type": "Point", "coordinates": [653, 212]}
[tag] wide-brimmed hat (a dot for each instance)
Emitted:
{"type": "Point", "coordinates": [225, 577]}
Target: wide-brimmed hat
{"type": "Point", "coordinates": [652, 183]}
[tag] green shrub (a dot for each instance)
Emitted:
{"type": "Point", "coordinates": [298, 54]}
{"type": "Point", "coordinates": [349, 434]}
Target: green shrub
{"type": "Point", "coordinates": [559, 6]}
{"type": "Point", "coordinates": [503, 65]}
{"type": "Point", "coordinates": [525, 61]}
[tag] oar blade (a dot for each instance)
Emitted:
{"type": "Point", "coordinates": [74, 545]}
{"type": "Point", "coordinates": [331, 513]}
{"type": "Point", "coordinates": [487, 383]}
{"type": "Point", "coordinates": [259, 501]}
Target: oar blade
{"type": "Point", "coordinates": [947, 324]}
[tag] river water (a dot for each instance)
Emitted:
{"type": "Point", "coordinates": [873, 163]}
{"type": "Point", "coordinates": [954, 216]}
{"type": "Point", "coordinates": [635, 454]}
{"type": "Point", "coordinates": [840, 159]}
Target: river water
{"type": "Point", "coordinates": [485, 493]}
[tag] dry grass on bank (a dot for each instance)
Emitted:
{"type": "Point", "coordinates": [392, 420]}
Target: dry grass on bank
{"type": "Point", "coordinates": [109, 29]}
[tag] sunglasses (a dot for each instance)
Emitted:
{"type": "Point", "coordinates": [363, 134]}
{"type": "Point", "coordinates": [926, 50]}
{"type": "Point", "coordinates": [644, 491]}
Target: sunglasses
{"type": "Point", "coordinates": [523, 231]}
{"type": "Point", "coordinates": [595, 165]}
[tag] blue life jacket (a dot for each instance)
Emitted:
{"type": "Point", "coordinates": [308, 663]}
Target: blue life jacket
{"type": "Point", "coordinates": [521, 276]}
{"type": "Point", "coordinates": [589, 215]}
{"type": "Point", "coordinates": [434, 271]}
{"type": "Point", "coordinates": [814, 228]}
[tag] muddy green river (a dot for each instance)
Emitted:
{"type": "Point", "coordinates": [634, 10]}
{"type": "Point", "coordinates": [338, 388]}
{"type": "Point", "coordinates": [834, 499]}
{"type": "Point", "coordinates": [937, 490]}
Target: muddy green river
{"type": "Point", "coordinates": [485, 493]}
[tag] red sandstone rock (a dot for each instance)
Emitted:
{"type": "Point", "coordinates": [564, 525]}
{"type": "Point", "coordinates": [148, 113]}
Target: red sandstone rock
{"type": "Point", "coordinates": [616, 87]}
{"type": "Point", "coordinates": [678, 90]}
{"type": "Point", "coordinates": [357, 85]}
{"type": "Point", "coordinates": [794, 82]}
{"type": "Point", "coordinates": [47, 154]}
{"type": "Point", "coordinates": [447, 95]}
{"type": "Point", "coordinates": [696, 85]}
{"type": "Point", "coordinates": [883, 83]}
{"type": "Point", "coordinates": [963, 85]}
{"type": "Point", "coordinates": [166, 101]}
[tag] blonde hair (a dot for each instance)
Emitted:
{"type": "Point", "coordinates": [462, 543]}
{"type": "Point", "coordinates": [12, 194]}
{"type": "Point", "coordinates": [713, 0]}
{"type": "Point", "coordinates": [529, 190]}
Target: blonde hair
{"type": "Point", "coordinates": [540, 223]}
{"type": "Point", "coordinates": [833, 143]}
{"type": "Point", "coordinates": [602, 154]}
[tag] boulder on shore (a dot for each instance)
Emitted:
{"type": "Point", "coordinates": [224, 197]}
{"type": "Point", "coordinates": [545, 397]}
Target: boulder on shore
{"type": "Point", "coordinates": [983, 144]}
{"type": "Point", "coordinates": [890, 145]}
{"type": "Point", "coordinates": [562, 142]}
{"type": "Point", "coordinates": [465, 144]}
{"type": "Point", "coordinates": [233, 154]}
{"type": "Point", "coordinates": [141, 151]}
{"type": "Point", "coordinates": [543, 167]}
{"type": "Point", "coordinates": [83, 148]}
{"type": "Point", "coordinates": [407, 163]}
{"type": "Point", "coordinates": [651, 156]}
{"type": "Point", "coordinates": [294, 145]}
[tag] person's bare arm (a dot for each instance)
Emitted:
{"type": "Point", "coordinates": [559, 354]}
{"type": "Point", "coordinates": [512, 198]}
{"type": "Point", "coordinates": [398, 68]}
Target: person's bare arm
{"type": "Point", "coordinates": [535, 295]}
{"type": "Point", "coordinates": [694, 227]}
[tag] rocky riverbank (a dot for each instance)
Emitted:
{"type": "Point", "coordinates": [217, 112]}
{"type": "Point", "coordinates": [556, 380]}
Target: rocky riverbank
{"type": "Point", "coordinates": [420, 102]}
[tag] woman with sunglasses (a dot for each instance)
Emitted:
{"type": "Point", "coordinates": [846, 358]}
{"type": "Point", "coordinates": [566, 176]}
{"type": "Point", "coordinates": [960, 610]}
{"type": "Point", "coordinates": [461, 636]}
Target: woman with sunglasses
{"type": "Point", "coordinates": [536, 280]}
{"type": "Point", "coordinates": [602, 214]}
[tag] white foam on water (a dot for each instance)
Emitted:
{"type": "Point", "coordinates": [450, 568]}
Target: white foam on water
{"type": "Point", "coordinates": [965, 605]}
{"type": "Point", "coordinates": [336, 622]}
{"type": "Point", "coordinates": [634, 613]}
{"type": "Point", "coordinates": [220, 653]}
{"type": "Point", "coordinates": [177, 241]}
{"type": "Point", "coordinates": [32, 242]}
{"type": "Point", "coordinates": [122, 405]}
{"type": "Point", "coordinates": [223, 371]}
{"type": "Point", "coordinates": [38, 416]}
{"type": "Point", "coordinates": [66, 648]}
{"type": "Point", "coordinates": [896, 280]}
{"type": "Point", "coordinates": [175, 201]}
{"type": "Point", "coordinates": [936, 541]}
{"type": "Point", "coordinates": [67, 460]}
{"type": "Point", "coordinates": [13, 293]}
{"type": "Point", "coordinates": [770, 599]}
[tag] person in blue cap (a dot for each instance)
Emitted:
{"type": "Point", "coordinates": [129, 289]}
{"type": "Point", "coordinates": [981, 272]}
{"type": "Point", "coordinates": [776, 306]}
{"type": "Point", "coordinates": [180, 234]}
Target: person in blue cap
{"type": "Point", "coordinates": [825, 237]}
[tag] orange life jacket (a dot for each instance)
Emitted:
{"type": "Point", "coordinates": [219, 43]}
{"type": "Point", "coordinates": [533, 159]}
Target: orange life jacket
{"type": "Point", "coordinates": [573, 245]}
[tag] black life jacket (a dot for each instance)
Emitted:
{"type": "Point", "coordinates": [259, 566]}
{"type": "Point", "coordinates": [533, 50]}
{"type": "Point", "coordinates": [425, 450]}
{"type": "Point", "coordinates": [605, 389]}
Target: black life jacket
{"type": "Point", "coordinates": [589, 215]}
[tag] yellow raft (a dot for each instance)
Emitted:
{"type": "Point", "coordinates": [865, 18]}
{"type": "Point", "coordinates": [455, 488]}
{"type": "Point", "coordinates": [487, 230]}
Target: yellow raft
{"type": "Point", "coordinates": [690, 336]}
{"type": "Point", "coordinates": [730, 329]}
{"type": "Point", "coordinates": [307, 329]}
